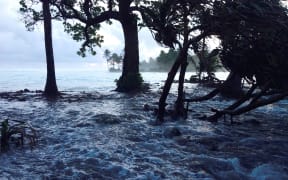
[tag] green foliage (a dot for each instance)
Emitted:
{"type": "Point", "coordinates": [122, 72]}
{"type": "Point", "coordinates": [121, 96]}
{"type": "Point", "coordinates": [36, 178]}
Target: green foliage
{"type": "Point", "coordinates": [81, 32]}
{"type": "Point", "coordinates": [65, 11]}
{"type": "Point", "coordinates": [82, 19]}
{"type": "Point", "coordinates": [208, 62]}
{"type": "Point", "coordinates": [114, 60]}
{"type": "Point", "coordinates": [32, 13]}
{"type": "Point", "coordinates": [164, 61]}
{"type": "Point", "coordinates": [167, 58]}
{"type": "Point", "coordinates": [31, 16]}
{"type": "Point", "coordinates": [172, 20]}
{"type": "Point", "coordinates": [254, 35]}
{"type": "Point", "coordinates": [130, 82]}
{"type": "Point", "coordinates": [77, 16]}
{"type": "Point", "coordinates": [107, 54]}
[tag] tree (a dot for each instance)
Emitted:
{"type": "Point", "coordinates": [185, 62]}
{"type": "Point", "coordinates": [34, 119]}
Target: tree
{"type": "Point", "coordinates": [254, 36]}
{"type": "Point", "coordinates": [176, 23]}
{"type": "Point", "coordinates": [112, 60]}
{"type": "Point", "coordinates": [206, 62]}
{"type": "Point", "coordinates": [166, 60]}
{"type": "Point", "coordinates": [50, 86]}
{"type": "Point", "coordinates": [107, 54]}
{"type": "Point", "coordinates": [168, 57]}
{"type": "Point", "coordinates": [90, 14]}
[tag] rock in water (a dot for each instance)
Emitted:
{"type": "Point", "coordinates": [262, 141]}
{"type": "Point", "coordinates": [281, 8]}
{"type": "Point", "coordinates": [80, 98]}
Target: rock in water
{"type": "Point", "coordinates": [172, 132]}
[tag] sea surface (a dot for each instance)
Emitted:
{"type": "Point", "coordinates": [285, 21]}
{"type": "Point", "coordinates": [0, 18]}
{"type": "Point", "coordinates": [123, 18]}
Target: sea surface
{"type": "Point", "coordinates": [93, 132]}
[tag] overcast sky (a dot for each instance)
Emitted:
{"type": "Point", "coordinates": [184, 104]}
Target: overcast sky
{"type": "Point", "coordinates": [20, 48]}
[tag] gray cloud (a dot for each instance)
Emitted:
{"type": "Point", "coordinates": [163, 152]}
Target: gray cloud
{"type": "Point", "coordinates": [20, 47]}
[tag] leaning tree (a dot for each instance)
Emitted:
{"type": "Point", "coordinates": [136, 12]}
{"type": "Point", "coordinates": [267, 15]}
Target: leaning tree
{"type": "Point", "coordinates": [176, 23]}
{"type": "Point", "coordinates": [254, 38]}
{"type": "Point", "coordinates": [31, 17]}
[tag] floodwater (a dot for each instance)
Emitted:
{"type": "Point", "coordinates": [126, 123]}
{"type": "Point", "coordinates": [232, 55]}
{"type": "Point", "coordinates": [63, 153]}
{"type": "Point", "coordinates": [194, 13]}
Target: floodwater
{"type": "Point", "coordinates": [101, 134]}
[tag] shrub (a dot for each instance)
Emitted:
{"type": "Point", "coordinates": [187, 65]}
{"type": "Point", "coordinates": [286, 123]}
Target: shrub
{"type": "Point", "coordinates": [16, 132]}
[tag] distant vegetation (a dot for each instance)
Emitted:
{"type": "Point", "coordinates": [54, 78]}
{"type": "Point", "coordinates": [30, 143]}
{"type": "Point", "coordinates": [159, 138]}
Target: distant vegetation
{"type": "Point", "coordinates": [114, 61]}
{"type": "Point", "coordinates": [164, 61]}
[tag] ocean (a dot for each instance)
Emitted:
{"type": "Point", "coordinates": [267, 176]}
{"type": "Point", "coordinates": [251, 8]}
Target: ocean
{"type": "Point", "coordinates": [69, 80]}
{"type": "Point", "coordinates": [93, 132]}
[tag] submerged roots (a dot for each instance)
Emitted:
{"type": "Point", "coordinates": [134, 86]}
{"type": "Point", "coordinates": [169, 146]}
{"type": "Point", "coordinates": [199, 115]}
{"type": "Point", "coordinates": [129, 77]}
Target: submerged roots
{"type": "Point", "coordinates": [17, 133]}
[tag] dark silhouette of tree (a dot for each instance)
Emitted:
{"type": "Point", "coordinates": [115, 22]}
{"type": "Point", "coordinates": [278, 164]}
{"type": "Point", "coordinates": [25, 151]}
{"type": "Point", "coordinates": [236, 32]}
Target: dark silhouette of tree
{"type": "Point", "coordinates": [45, 15]}
{"type": "Point", "coordinates": [167, 58]}
{"type": "Point", "coordinates": [164, 61]}
{"type": "Point", "coordinates": [51, 86]}
{"type": "Point", "coordinates": [114, 60]}
{"type": "Point", "coordinates": [90, 14]}
{"type": "Point", "coordinates": [175, 23]}
{"type": "Point", "coordinates": [254, 36]}
{"type": "Point", "coordinates": [206, 62]}
{"type": "Point", "coordinates": [107, 54]}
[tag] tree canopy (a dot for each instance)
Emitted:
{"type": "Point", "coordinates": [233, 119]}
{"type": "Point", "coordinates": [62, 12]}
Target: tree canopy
{"type": "Point", "coordinates": [176, 23]}
{"type": "Point", "coordinates": [114, 60]}
{"type": "Point", "coordinates": [254, 38]}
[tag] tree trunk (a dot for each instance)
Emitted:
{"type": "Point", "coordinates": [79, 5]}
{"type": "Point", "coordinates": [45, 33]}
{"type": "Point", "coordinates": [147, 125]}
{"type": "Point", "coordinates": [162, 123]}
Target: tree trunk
{"type": "Point", "coordinates": [232, 86]}
{"type": "Point", "coordinates": [169, 81]}
{"type": "Point", "coordinates": [131, 56]}
{"type": "Point", "coordinates": [130, 78]}
{"type": "Point", "coordinates": [166, 89]}
{"type": "Point", "coordinates": [51, 86]}
{"type": "Point", "coordinates": [179, 104]}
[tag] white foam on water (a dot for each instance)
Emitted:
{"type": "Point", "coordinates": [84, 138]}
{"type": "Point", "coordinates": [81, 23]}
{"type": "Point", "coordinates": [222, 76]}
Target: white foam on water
{"type": "Point", "coordinates": [269, 171]}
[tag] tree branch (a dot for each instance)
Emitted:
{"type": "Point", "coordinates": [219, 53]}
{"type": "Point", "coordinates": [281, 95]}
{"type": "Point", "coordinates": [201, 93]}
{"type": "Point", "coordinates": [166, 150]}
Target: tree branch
{"type": "Point", "coordinates": [88, 20]}
{"type": "Point", "coordinates": [257, 104]}
{"type": "Point", "coordinates": [206, 97]}
{"type": "Point", "coordinates": [76, 14]}
{"type": "Point", "coordinates": [104, 16]}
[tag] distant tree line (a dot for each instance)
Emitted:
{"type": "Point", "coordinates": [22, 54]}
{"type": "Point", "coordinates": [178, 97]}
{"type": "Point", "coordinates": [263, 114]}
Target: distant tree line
{"type": "Point", "coordinates": [164, 61]}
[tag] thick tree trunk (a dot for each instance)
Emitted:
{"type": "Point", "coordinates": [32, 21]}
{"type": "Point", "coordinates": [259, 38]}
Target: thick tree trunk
{"type": "Point", "coordinates": [51, 86]}
{"type": "Point", "coordinates": [131, 56]}
{"type": "Point", "coordinates": [130, 79]}
{"type": "Point", "coordinates": [232, 86]}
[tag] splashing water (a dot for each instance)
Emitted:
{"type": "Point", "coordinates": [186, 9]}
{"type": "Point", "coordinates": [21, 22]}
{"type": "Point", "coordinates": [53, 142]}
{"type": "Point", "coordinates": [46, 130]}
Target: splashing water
{"type": "Point", "coordinates": [108, 135]}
